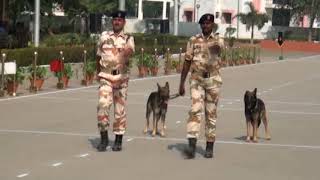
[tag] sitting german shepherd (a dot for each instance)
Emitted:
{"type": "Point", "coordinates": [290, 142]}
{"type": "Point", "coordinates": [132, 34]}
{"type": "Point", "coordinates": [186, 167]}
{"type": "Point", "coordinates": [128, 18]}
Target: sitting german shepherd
{"type": "Point", "coordinates": [158, 104]}
{"type": "Point", "coordinates": [255, 111]}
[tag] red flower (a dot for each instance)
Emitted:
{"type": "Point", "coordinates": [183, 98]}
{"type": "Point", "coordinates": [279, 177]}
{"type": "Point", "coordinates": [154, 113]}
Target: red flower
{"type": "Point", "coordinates": [56, 66]}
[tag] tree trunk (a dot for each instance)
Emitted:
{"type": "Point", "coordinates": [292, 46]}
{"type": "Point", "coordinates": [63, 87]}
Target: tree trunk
{"type": "Point", "coordinates": [312, 18]}
{"type": "Point", "coordinates": [310, 30]}
{"type": "Point", "coordinates": [83, 25]}
{"type": "Point", "coordinates": [252, 33]}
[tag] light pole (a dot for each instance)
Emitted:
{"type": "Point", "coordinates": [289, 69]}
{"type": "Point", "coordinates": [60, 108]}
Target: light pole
{"type": "Point", "coordinates": [198, 6]}
{"type": "Point", "coordinates": [122, 5]}
{"type": "Point", "coordinates": [238, 19]}
{"type": "Point", "coordinates": [37, 23]}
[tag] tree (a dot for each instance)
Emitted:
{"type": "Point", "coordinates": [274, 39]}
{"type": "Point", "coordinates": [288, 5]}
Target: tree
{"type": "Point", "coordinates": [308, 8]}
{"type": "Point", "coordinates": [253, 18]}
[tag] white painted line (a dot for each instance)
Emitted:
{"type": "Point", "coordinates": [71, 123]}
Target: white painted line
{"type": "Point", "coordinates": [270, 89]}
{"type": "Point", "coordinates": [178, 122]}
{"type": "Point", "coordinates": [264, 91]}
{"type": "Point", "coordinates": [80, 88]}
{"type": "Point", "coordinates": [259, 93]}
{"type": "Point", "coordinates": [130, 139]}
{"type": "Point", "coordinates": [48, 132]}
{"type": "Point", "coordinates": [158, 77]}
{"type": "Point", "coordinates": [45, 93]}
{"type": "Point", "coordinates": [22, 175]}
{"type": "Point", "coordinates": [230, 103]}
{"type": "Point", "coordinates": [273, 62]}
{"type": "Point", "coordinates": [57, 164]}
{"type": "Point", "coordinates": [221, 105]}
{"type": "Point", "coordinates": [235, 142]}
{"type": "Point", "coordinates": [83, 155]}
{"type": "Point", "coordinates": [182, 139]}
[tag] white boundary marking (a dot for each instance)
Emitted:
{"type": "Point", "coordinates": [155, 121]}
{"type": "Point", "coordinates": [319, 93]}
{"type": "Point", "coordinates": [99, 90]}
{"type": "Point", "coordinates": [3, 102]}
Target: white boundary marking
{"type": "Point", "coordinates": [83, 155]}
{"type": "Point", "coordinates": [316, 147]}
{"type": "Point", "coordinates": [57, 164]}
{"type": "Point", "coordinates": [22, 175]}
{"type": "Point", "coordinates": [158, 77]}
{"type": "Point", "coordinates": [222, 107]}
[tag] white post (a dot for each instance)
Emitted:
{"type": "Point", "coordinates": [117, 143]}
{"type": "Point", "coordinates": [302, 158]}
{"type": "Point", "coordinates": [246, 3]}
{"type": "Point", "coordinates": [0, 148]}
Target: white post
{"type": "Point", "coordinates": [176, 18]}
{"type": "Point", "coordinates": [122, 5]}
{"type": "Point", "coordinates": [37, 23]}
{"type": "Point", "coordinates": [164, 10]}
{"type": "Point", "coordinates": [140, 10]}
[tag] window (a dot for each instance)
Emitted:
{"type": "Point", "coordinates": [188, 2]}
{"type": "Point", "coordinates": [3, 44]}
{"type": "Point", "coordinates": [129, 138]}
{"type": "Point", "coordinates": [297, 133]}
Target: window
{"type": "Point", "coordinates": [188, 15]}
{"type": "Point", "coordinates": [226, 18]}
{"type": "Point", "coordinates": [281, 17]}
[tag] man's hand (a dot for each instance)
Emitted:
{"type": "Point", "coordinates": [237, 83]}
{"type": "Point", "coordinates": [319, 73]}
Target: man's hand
{"type": "Point", "coordinates": [124, 55]}
{"type": "Point", "coordinates": [181, 90]}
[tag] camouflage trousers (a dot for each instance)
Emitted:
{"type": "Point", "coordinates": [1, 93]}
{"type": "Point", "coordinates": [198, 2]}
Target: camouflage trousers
{"type": "Point", "coordinates": [204, 95]}
{"type": "Point", "coordinates": [110, 94]}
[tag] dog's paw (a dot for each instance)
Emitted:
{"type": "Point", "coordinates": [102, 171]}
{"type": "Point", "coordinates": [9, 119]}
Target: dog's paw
{"type": "Point", "coordinates": [268, 138]}
{"type": "Point", "coordinates": [145, 131]}
{"type": "Point", "coordinates": [248, 139]}
{"type": "Point", "coordinates": [162, 134]}
{"type": "Point", "coordinates": [153, 133]}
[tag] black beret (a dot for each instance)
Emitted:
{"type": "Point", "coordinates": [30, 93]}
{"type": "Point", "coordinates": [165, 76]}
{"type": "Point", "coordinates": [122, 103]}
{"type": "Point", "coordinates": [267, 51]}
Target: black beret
{"type": "Point", "coordinates": [206, 17]}
{"type": "Point", "coordinates": [119, 14]}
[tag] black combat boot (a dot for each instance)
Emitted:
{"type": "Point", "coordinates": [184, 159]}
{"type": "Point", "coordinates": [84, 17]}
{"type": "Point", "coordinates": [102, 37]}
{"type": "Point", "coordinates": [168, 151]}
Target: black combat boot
{"type": "Point", "coordinates": [209, 150]}
{"type": "Point", "coordinates": [104, 141]}
{"type": "Point", "coordinates": [191, 149]}
{"type": "Point", "coordinates": [117, 146]}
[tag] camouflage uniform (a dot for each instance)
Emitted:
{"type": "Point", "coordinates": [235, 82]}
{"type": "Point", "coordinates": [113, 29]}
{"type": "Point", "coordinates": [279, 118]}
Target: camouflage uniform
{"type": "Point", "coordinates": [205, 82]}
{"type": "Point", "coordinates": [113, 80]}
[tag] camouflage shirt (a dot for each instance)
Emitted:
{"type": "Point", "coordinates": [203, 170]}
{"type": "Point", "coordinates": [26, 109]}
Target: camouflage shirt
{"type": "Point", "coordinates": [202, 52]}
{"type": "Point", "coordinates": [109, 49]}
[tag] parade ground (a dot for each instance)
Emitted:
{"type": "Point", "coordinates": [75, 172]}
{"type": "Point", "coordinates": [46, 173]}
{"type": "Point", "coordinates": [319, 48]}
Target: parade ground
{"type": "Point", "coordinates": [52, 135]}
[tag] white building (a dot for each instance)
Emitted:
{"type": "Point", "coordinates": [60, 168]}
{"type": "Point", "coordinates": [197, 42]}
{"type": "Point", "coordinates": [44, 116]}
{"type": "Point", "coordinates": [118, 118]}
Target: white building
{"type": "Point", "coordinates": [189, 12]}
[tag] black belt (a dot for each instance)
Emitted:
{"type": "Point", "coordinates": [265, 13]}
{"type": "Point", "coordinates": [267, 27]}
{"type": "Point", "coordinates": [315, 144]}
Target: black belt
{"type": "Point", "coordinates": [115, 72]}
{"type": "Point", "coordinates": [204, 74]}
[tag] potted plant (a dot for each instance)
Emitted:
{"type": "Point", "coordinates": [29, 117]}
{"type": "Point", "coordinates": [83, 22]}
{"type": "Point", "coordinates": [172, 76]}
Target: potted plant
{"type": "Point", "coordinates": [88, 72]}
{"type": "Point", "coordinates": [168, 64]}
{"type": "Point", "coordinates": [224, 58]}
{"type": "Point", "coordinates": [64, 76]}
{"type": "Point", "coordinates": [12, 81]}
{"type": "Point", "coordinates": [62, 71]}
{"type": "Point", "coordinates": [176, 65]}
{"type": "Point", "coordinates": [154, 66]}
{"type": "Point", "coordinates": [142, 61]}
{"type": "Point", "coordinates": [41, 73]}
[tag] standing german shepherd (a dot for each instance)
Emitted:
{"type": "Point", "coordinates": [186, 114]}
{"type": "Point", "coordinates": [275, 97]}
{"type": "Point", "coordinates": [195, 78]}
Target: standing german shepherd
{"type": "Point", "coordinates": [158, 104]}
{"type": "Point", "coordinates": [255, 111]}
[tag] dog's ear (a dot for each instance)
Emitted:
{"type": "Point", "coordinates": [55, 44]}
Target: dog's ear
{"type": "Point", "coordinates": [255, 92]}
{"type": "Point", "coordinates": [158, 86]}
{"type": "Point", "coordinates": [167, 84]}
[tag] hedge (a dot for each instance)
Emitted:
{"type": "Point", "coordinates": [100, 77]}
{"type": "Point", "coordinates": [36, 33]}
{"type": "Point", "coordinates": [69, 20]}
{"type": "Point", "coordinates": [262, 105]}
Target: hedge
{"type": "Point", "coordinates": [25, 56]}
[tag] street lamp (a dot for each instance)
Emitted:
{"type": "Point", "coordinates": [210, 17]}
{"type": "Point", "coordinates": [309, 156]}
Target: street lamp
{"type": "Point", "coordinates": [198, 6]}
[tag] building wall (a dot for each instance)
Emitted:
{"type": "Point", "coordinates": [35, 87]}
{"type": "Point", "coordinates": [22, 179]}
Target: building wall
{"type": "Point", "coordinates": [218, 8]}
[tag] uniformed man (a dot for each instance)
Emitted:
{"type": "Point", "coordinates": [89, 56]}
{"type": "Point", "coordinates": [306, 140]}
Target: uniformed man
{"type": "Point", "coordinates": [202, 58]}
{"type": "Point", "coordinates": [114, 49]}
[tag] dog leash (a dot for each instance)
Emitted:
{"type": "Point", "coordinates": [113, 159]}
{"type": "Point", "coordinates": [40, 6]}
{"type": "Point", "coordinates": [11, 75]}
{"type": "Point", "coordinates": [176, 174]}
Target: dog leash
{"type": "Point", "coordinates": [173, 96]}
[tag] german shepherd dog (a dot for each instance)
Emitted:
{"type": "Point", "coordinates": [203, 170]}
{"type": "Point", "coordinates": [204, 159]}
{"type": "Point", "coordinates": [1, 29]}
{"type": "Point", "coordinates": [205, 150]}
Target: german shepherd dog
{"type": "Point", "coordinates": [255, 111]}
{"type": "Point", "coordinates": [158, 104]}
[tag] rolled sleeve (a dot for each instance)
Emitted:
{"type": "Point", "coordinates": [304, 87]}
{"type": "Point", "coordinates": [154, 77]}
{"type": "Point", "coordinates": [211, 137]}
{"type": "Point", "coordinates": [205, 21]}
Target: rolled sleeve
{"type": "Point", "coordinates": [131, 44]}
{"type": "Point", "coordinates": [99, 52]}
{"type": "Point", "coordinates": [189, 51]}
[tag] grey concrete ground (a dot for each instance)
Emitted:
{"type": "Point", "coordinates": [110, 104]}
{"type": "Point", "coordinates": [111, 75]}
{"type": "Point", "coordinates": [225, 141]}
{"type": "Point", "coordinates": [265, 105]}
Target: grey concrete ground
{"type": "Point", "coordinates": [52, 135]}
